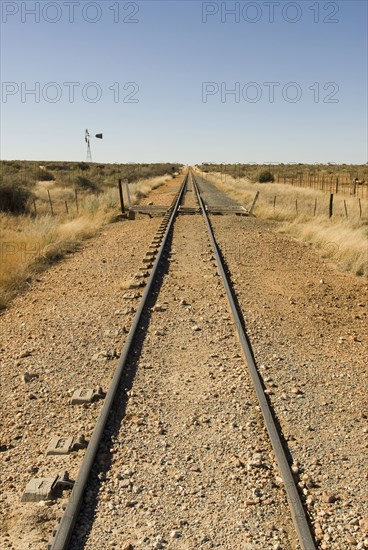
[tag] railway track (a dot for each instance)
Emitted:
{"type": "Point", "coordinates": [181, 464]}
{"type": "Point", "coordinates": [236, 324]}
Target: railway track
{"type": "Point", "coordinates": [109, 430]}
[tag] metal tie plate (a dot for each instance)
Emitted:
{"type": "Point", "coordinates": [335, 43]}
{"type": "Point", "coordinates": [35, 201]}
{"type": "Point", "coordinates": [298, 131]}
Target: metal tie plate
{"type": "Point", "coordinates": [60, 446]}
{"type": "Point", "coordinates": [39, 488]}
{"type": "Point", "coordinates": [82, 396]}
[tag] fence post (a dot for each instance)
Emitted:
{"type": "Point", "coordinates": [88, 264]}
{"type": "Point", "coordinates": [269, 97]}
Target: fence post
{"type": "Point", "coordinates": [76, 201]}
{"type": "Point", "coordinates": [296, 205]}
{"type": "Point", "coordinates": [50, 201]}
{"type": "Point", "coordinates": [337, 185]}
{"type": "Point", "coordinates": [254, 203]}
{"type": "Point", "coordinates": [331, 206]}
{"type": "Point", "coordinates": [346, 210]}
{"type": "Point", "coordinates": [121, 197]}
{"type": "Point", "coordinates": [274, 202]}
{"type": "Point", "coordinates": [315, 207]}
{"type": "Point", "coordinates": [35, 209]}
{"type": "Point", "coordinates": [128, 192]}
{"type": "Point", "coordinates": [66, 207]}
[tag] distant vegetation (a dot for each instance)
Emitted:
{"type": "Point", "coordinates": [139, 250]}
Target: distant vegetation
{"type": "Point", "coordinates": [21, 179]}
{"type": "Point", "coordinates": [265, 176]}
{"type": "Point", "coordinates": [45, 175]}
{"type": "Point", "coordinates": [84, 183]}
{"type": "Point", "coordinates": [294, 170]}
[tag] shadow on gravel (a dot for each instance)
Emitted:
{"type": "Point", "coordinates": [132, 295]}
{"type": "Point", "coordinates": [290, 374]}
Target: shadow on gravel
{"type": "Point", "coordinates": [104, 457]}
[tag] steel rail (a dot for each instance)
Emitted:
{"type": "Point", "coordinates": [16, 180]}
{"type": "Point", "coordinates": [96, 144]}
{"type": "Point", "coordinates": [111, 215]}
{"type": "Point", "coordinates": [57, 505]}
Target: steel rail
{"type": "Point", "coordinates": [64, 530]}
{"type": "Point", "coordinates": [298, 514]}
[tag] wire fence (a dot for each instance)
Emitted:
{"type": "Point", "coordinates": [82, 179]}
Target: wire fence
{"type": "Point", "coordinates": [327, 183]}
{"type": "Point", "coordinates": [353, 182]}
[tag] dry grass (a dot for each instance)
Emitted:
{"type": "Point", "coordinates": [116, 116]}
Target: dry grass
{"type": "Point", "coordinates": [29, 244]}
{"type": "Point", "coordinates": [141, 189]}
{"type": "Point", "coordinates": [341, 239]}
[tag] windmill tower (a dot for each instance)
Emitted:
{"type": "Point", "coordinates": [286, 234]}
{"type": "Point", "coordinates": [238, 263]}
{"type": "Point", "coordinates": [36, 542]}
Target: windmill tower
{"type": "Point", "coordinates": [87, 138]}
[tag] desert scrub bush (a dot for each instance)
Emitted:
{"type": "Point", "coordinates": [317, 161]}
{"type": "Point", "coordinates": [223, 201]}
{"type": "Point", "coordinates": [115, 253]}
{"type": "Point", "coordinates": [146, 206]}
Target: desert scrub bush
{"type": "Point", "coordinates": [57, 167]}
{"type": "Point", "coordinates": [14, 198]}
{"type": "Point", "coordinates": [83, 166]}
{"type": "Point", "coordinates": [86, 184]}
{"type": "Point", "coordinates": [45, 175]}
{"type": "Point", "coordinates": [265, 177]}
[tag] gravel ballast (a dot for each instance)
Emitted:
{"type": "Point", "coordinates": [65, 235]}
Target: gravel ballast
{"type": "Point", "coordinates": [186, 462]}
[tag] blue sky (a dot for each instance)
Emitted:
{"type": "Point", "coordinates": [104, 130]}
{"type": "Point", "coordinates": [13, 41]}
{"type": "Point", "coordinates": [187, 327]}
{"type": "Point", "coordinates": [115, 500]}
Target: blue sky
{"type": "Point", "coordinates": [156, 78]}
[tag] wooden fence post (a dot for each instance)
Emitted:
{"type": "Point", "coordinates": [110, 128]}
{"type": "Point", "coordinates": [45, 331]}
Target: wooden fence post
{"type": "Point", "coordinates": [274, 202]}
{"type": "Point", "coordinates": [360, 209]}
{"type": "Point", "coordinates": [76, 201]}
{"type": "Point", "coordinates": [346, 210]}
{"type": "Point", "coordinates": [121, 197]}
{"type": "Point", "coordinates": [35, 209]}
{"type": "Point", "coordinates": [315, 207]}
{"type": "Point", "coordinates": [128, 193]}
{"type": "Point", "coordinates": [331, 206]}
{"type": "Point", "coordinates": [50, 201]}
{"type": "Point", "coordinates": [254, 203]}
{"type": "Point", "coordinates": [66, 207]}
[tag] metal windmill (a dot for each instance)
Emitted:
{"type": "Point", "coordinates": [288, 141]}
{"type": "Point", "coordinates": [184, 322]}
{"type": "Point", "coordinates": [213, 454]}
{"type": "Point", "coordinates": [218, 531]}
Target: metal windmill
{"type": "Point", "coordinates": [87, 139]}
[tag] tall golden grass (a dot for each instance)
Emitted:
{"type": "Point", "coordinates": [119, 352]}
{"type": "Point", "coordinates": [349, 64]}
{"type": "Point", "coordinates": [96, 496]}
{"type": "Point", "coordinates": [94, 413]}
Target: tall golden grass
{"type": "Point", "coordinates": [29, 244]}
{"type": "Point", "coordinates": [341, 239]}
{"type": "Point", "coordinates": [141, 189]}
